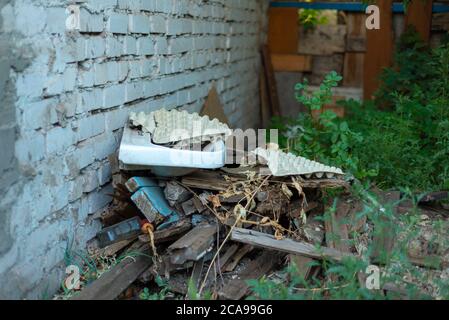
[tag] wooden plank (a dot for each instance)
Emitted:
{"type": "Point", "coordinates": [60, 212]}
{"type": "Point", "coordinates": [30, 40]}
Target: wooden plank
{"type": "Point", "coordinates": [171, 234]}
{"type": "Point", "coordinates": [213, 107]}
{"type": "Point", "coordinates": [337, 234]}
{"type": "Point", "coordinates": [303, 265]}
{"type": "Point", "coordinates": [206, 180]}
{"type": "Point", "coordinates": [283, 30]}
{"type": "Point", "coordinates": [237, 288]}
{"type": "Point", "coordinates": [193, 245]}
{"type": "Point", "coordinates": [353, 69]}
{"type": "Point", "coordinates": [379, 49]}
{"type": "Point", "coordinates": [120, 277]}
{"type": "Point", "coordinates": [286, 245]}
{"type": "Point", "coordinates": [223, 260]}
{"type": "Point", "coordinates": [196, 272]}
{"type": "Point", "coordinates": [237, 257]}
{"type": "Point", "coordinates": [291, 62]}
{"type": "Point", "coordinates": [271, 82]}
{"type": "Point", "coordinates": [419, 15]}
{"type": "Point", "coordinates": [440, 22]}
{"type": "Point", "coordinates": [356, 32]}
{"type": "Point", "coordinates": [384, 238]}
{"type": "Point", "coordinates": [265, 113]}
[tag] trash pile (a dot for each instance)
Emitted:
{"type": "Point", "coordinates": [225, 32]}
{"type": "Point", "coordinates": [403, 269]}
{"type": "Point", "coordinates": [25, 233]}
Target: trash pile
{"type": "Point", "coordinates": [195, 221]}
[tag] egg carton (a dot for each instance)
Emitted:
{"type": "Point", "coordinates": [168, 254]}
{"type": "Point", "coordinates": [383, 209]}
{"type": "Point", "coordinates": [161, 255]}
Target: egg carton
{"type": "Point", "coordinates": [170, 126]}
{"type": "Point", "coordinates": [175, 125]}
{"type": "Point", "coordinates": [287, 164]}
{"type": "Point", "coordinates": [141, 119]}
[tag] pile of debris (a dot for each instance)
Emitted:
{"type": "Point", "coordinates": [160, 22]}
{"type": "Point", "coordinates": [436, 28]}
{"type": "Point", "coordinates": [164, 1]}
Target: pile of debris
{"type": "Point", "coordinates": [214, 228]}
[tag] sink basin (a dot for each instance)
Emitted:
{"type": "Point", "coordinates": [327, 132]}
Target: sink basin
{"type": "Point", "coordinates": [137, 152]}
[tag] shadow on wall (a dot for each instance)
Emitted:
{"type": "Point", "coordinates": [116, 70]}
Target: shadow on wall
{"type": "Point", "coordinates": [12, 59]}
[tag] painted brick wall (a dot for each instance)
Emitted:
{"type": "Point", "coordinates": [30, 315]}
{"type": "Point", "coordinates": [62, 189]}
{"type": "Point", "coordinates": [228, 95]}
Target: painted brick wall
{"type": "Point", "coordinates": [70, 92]}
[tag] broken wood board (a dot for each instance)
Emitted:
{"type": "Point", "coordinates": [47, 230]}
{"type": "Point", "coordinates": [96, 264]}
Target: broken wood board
{"type": "Point", "coordinates": [384, 236]}
{"type": "Point", "coordinates": [213, 107]}
{"type": "Point", "coordinates": [119, 278]}
{"type": "Point", "coordinates": [170, 234]}
{"type": "Point", "coordinates": [283, 31]}
{"type": "Point", "coordinates": [434, 196]}
{"type": "Point", "coordinates": [313, 230]}
{"type": "Point", "coordinates": [206, 180]}
{"type": "Point", "coordinates": [197, 271]}
{"type": "Point", "coordinates": [223, 260]}
{"type": "Point", "coordinates": [194, 245]}
{"type": "Point", "coordinates": [291, 62]}
{"type": "Point", "coordinates": [237, 288]}
{"type": "Point", "coordinates": [303, 265]}
{"type": "Point", "coordinates": [268, 241]}
{"type": "Point", "coordinates": [271, 82]}
{"type": "Point", "coordinates": [244, 250]}
{"type": "Point", "coordinates": [337, 234]}
{"type": "Point", "coordinates": [112, 249]}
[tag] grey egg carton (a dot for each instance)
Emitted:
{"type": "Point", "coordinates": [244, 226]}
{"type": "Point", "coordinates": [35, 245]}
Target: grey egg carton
{"type": "Point", "coordinates": [175, 125]}
{"type": "Point", "coordinates": [170, 126]}
{"type": "Point", "coordinates": [141, 119]}
{"type": "Point", "coordinates": [287, 164]}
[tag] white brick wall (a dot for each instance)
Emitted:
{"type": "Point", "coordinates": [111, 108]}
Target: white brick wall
{"type": "Point", "coordinates": [75, 96]}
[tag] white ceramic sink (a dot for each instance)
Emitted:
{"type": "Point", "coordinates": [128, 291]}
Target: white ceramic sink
{"type": "Point", "coordinates": [137, 152]}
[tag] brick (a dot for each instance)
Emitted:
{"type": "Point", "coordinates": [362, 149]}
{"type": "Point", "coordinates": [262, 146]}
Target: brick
{"type": "Point", "coordinates": [158, 24]}
{"type": "Point", "coordinates": [95, 47]}
{"type": "Point", "coordinates": [139, 24]}
{"type": "Point", "coordinates": [114, 47]}
{"type": "Point", "coordinates": [90, 181]}
{"type": "Point", "coordinates": [161, 45]}
{"type": "Point", "coordinates": [90, 126]}
{"type": "Point", "coordinates": [106, 72]}
{"type": "Point", "coordinates": [114, 96]}
{"type": "Point", "coordinates": [89, 100]}
{"type": "Point", "coordinates": [104, 174]}
{"type": "Point", "coordinates": [145, 46]}
{"type": "Point", "coordinates": [59, 139]}
{"type": "Point", "coordinates": [40, 114]}
{"type": "Point", "coordinates": [118, 23]}
{"type": "Point", "coordinates": [90, 22]}
{"type": "Point", "coordinates": [130, 45]}
{"type": "Point", "coordinates": [134, 91]}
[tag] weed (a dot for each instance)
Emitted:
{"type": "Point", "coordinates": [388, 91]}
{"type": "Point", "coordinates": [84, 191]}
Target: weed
{"type": "Point", "coordinates": [402, 145]}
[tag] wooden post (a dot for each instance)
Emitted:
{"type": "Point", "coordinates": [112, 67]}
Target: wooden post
{"type": "Point", "coordinates": [379, 49]}
{"type": "Point", "coordinates": [419, 15]}
{"type": "Point", "coordinates": [283, 30]}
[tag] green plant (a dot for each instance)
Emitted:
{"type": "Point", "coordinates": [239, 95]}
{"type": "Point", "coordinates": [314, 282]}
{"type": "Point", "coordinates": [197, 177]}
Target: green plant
{"type": "Point", "coordinates": [327, 139]}
{"type": "Point", "coordinates": [161, 295]}
{"type": "Point", "coordinates": [404, 145]}
{"type": "Point", "coordinates": [396, 270]}
{"type": "Point", "coordinates": [310, 18]}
